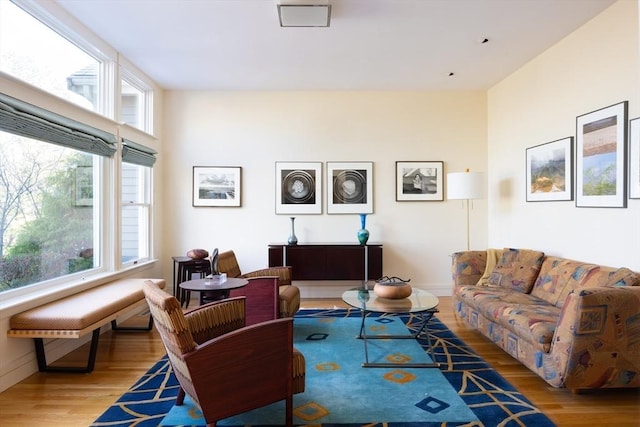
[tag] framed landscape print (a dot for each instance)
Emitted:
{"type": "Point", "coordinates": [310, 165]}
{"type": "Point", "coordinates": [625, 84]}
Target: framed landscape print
{"type": "Point", "coordinates": [298, 188]}
{"type": "Point", "coordinates": [601, 162]}
{"type": "Point", "coordinates": [550, 171]}
{"type": "Point", "coordinates": [216, 185]}
{"type": "Point", "coordinates": [349, 187]}
{"type": "Point", "coordinates": [419, 181]}
{"type": "Point", "coordinates": [634, 158]}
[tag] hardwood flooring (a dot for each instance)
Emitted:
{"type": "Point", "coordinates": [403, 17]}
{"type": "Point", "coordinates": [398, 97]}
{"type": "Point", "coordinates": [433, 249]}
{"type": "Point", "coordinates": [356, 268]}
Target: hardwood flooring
{"type": "Point", "coordinates": [77, 400]}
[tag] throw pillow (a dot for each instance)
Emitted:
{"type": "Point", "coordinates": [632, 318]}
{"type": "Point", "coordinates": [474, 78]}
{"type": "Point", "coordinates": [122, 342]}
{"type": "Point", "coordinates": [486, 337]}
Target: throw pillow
{"type": "Point", "coordinates": [624, 277]}
{"type": "Point", "coordinates": [517, 269]}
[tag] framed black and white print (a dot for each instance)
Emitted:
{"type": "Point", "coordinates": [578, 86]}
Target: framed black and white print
{"type": "Point", "coordinates": [298, 188]}
{"type": "Point", "coordinates": [419, 181]}
{"type": "Point", "coordinates": [216, 185]}
{"type": "Point", "coordinates": [601, 162]}
{"type": "Point", "coordinates": [550, 171]}
{"type": "Point", "coordinates": [349, 187]}
{"type": "Point", "coordinates": [634, 158]}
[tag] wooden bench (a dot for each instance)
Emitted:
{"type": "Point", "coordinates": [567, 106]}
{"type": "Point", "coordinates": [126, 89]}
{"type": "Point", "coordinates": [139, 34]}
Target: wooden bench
{"type": "Point", "coordinates": [78, 315]}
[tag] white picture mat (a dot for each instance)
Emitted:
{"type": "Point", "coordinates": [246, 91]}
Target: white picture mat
{"type": "Point", "coordinates": [618, 132]}
{"type": "Point", "coordinates": [560, 150]}
{"type": "Point", "coordinates": [337, 170]}
{"type": "Point", "coordinates": [315, 170]}
{"type": "Point", "coordinates": [634, 158]}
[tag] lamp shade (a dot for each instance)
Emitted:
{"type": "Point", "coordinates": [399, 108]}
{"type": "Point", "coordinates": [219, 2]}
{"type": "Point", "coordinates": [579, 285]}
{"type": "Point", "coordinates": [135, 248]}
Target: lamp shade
{"type": "Point", "coordinates": [465, 185]}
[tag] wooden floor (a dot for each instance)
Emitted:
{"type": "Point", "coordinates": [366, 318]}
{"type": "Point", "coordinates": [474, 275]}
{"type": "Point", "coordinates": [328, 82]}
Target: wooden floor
{"type": "Point", "coordinates": [77, 400]}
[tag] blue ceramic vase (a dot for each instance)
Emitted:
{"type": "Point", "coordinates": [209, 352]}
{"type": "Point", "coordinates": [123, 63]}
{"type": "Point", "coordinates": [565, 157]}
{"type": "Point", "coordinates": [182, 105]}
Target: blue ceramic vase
{"type": "Point", "coordinates": [363, 233]}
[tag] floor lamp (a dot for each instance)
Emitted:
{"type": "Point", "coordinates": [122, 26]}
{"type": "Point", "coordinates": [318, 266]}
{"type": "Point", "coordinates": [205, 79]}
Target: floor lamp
{"type": "Point", "coordinates": [465, 186]}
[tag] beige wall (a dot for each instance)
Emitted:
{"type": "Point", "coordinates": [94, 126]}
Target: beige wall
{"type": "Point", "coordinates": [255, 129]}
{"type": "Point", "coordinates": [596, 66]}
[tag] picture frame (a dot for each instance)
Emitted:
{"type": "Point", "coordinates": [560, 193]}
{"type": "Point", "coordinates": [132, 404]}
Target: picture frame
{"type": "Point", "coordinates": [349, 187]}
{"type": "Point", "coordinates": [601, 162]}
{"type": "Point", "coordinates": [83, 186]}
{"type": "Point", "coordinates": [420, 181]}
{"type": "Point", "coordinates": [550, 171]}
{"type": "Point", "coordinates": [298, 188]}
{"type": "Point", "coordinates": [217, 186]}
{"type": "Point", "coordinates": [634, 158]}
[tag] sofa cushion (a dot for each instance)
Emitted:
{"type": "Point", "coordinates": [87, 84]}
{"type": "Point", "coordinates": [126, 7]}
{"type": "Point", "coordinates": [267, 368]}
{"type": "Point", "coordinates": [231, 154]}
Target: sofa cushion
{"type": "Point", "coordinates": [531, 319]}
{"type": "Point", "coordinates": [517, 269]}
{"type": "Point", "coordinates": [560, 276]}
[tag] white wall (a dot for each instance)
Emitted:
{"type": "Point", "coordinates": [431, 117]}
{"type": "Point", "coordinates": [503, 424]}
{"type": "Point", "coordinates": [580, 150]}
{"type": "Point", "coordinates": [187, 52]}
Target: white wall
{"type": "Point", "coordinates": [255, 129]}
{"type": "Point", "coordinates": [596, 66]}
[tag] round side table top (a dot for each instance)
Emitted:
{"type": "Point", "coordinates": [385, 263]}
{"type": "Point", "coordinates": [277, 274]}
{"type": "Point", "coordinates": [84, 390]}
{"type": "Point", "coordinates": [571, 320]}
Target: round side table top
{"type": "Point", "coordinates": [213, 285]}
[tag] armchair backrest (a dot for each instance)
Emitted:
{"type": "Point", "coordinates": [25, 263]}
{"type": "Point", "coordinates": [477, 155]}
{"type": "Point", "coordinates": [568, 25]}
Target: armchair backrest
{"type": "Point", "coordinates": [228, 263]}
{"type": "Point", "coordinates": [173, 329]}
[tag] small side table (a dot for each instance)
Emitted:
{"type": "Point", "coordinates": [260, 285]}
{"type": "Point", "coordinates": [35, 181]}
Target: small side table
{"type": "Point", "coordinates": [184, 268]}
{"type": "Point", "coordinates": [207, 286]}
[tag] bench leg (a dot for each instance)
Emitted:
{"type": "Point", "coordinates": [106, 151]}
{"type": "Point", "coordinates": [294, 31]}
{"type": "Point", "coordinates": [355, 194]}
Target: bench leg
{"type": "Point", "coordinates": [115, 327]}
{"type": "Point", "coordinates": [42, 358]}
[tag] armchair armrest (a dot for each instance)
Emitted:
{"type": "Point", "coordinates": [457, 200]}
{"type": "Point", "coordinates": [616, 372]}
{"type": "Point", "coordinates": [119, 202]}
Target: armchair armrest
{"type": "Point", "coordinates": [244, 369]}
{"type": "Point", "coordinates": [216, 318]}
{"type": "Point", "coordinates": [597, 341]}
{"type": "Point", "coordinates": [468, 267]}
{"type": "Point", "coordinates": [283, 273]}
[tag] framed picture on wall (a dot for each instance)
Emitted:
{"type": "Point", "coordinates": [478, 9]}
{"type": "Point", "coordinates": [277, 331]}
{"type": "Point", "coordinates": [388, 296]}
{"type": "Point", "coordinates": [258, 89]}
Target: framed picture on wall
{"type": "Point", "coordinates": [550, 171]}
{"type": "Point", "coordinates": [634, 158]}
{"type": "Point", "coordinates": [419, 181]}
{"type": "Point", "coordinates": [601, 162]}
{"type": "Point", "coordinates": [349, 187]}
{"type": "Point", "coordinates": [298, 187]}
{"type": "Point", "coordinates": [217, 186]}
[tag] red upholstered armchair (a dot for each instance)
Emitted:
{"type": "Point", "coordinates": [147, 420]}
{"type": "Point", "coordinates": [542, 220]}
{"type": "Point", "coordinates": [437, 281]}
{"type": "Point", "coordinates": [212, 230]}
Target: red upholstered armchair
{"type": "Point", "coordinates": [225, 367]}
{"type": "Point", "coordinates": [288, 294]}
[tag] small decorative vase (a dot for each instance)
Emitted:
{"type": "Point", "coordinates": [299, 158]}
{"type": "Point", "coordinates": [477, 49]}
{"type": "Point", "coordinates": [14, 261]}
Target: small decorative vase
{"type": "Point", "coordinates": [363, 233]}
{"type": "Point", "coordinates": [293, 240]}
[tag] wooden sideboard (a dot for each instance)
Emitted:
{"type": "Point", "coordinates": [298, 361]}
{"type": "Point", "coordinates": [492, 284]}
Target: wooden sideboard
{"type": "Point", "coordinates": [328, 261]}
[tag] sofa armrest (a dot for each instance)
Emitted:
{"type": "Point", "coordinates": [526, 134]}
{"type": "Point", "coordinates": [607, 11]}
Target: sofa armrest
{"type": "Point", "coordinates": [597, 340]}
{"type": "Point", "coordinates": [468, 267]}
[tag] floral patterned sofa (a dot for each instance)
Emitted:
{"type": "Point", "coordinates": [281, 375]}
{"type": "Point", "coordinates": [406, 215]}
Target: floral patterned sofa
{"type": "Point", "coordinates": [575, 324]}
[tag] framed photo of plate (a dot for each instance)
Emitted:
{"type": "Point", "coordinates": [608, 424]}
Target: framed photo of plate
{"type": "Point", "coordinates": [349, 187]}
{"type": "Point", "coordinates": [298, 188]}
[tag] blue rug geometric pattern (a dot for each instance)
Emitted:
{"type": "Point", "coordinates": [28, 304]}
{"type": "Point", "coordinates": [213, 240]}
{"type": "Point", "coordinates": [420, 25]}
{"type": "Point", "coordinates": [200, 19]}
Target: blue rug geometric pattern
{"type": "Point", "coordinates": [479, 394]}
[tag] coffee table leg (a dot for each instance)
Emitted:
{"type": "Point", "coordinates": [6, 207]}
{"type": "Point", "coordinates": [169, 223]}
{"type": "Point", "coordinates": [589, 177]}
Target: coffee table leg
{"type": "Point", "coordinates": [423, 328]}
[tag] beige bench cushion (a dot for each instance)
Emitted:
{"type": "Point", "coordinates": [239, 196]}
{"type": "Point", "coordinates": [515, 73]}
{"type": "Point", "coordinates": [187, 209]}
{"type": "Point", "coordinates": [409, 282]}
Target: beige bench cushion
{"type": "Point", "coordinates": [76, 312]}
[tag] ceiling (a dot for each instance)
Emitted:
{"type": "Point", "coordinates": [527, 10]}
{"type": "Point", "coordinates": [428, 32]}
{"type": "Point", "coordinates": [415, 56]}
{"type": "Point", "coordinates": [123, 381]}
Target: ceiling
{"type": "Point", "coordinates": [370, 44]}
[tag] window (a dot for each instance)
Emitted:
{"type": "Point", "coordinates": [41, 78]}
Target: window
{"type": "Point", "coordinates": [136, 99]}
{"type": "Point", "coordinates": [48, 194]}
{"type": "Point", "coordinates": [56, 170]}
{"type": "Point", "coordinates": [34, 53]}
{"type": "Point", "coordinates": [136, 210]}
{"type": "Point", "coordinates": [137, 161]}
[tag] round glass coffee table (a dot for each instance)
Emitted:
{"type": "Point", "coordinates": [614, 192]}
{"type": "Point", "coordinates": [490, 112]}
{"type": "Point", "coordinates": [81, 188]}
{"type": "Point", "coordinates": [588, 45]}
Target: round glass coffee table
{"type": "Point", "coordinates": [421, 303]}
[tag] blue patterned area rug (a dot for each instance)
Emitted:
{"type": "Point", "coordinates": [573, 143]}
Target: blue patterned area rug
{"type": "Point", "coordinates": [465, 391]}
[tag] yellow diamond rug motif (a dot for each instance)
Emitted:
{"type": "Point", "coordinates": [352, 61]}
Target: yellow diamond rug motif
{"type": "Point", "coordinates": [399, 376]}
{"type": "Point", "coordinates": [310, 411]}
